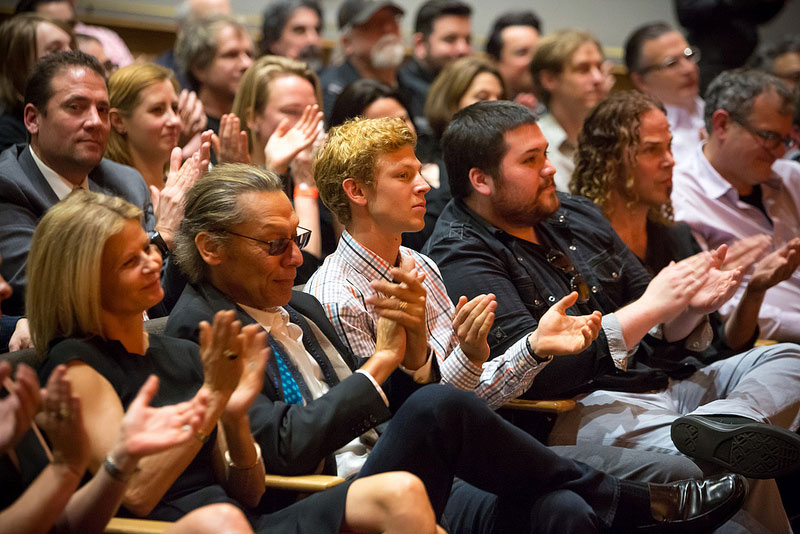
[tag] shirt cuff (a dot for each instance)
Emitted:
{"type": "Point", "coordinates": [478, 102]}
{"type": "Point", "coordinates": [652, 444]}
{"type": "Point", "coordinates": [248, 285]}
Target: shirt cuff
{"type": "Point", "coordinates": [459, 371]}
{"type": "Point", "coordinates": [616, 341]}
{"type": "Point", "coordinates": [425, 374]}
{"type": "Point", "coordinates": [375, 383]}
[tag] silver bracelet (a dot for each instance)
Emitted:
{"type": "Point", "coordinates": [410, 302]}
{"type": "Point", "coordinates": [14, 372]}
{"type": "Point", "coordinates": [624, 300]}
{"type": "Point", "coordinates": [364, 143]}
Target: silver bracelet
{"type": "Point", "coordinates": [115, 472]}
{"type": "Point", "coordinates": [238, 468]}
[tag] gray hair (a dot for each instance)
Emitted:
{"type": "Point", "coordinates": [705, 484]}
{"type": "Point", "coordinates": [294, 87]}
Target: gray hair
{"type": "Point", "coordinates": [197, 44]}
{"type": "Point", "coordinates": [212, 205]}
{"type": "Point", "coordinates": [735, 90]}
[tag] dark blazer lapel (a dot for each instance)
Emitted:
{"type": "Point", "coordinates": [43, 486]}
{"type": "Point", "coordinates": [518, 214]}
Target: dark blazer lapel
{"type": "Point", "coordinates": [35, 176]}
{"type": "Point", "coordinates": [312, 346]}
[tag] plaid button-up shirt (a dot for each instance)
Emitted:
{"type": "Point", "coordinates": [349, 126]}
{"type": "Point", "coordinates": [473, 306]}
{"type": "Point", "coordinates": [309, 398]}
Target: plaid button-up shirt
{"type": "Point", "coordinates": [342, 286]}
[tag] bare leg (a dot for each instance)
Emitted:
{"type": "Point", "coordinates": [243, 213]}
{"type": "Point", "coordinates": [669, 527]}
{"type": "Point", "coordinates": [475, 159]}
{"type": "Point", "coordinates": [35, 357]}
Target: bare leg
{"type": "Point", "coordinates": [389, 503]}
{"type": "Point", "coordinates": [213, 519]}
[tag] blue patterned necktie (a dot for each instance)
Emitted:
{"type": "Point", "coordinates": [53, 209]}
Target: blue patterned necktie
{"type": "Point", "coordinates": [291, 391]}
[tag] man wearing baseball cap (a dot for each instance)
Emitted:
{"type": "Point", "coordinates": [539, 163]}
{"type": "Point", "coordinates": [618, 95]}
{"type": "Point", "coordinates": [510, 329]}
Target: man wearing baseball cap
{"type": "Point", "coordinates": [371, 44]}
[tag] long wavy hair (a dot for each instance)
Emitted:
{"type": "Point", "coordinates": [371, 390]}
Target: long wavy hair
{"type": "Point", "coordinates": [607, 146]}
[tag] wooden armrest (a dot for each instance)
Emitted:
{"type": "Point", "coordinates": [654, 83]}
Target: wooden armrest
{"type": "Point", "coordinates": [304, 483]}
{"type": "Point", "coordinates": [765, 342]}
{"type": "Point", "coordinates": [123, 525]}
{"type": "Point", "coordinates": [550, 406]}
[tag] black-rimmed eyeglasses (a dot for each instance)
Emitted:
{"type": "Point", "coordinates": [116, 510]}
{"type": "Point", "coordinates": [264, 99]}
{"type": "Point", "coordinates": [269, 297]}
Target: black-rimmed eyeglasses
{"type": "Point", "coordinates": [771, 140]}
{"type": "Point", "coordinates": [276, 247]}
{"type": "Point", "coordinates": [670, 62]}
{"type": "Point", "coordinates": [577, 282]}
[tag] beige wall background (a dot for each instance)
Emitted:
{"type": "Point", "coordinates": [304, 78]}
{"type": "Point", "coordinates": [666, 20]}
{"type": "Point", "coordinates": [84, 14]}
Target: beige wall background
{"type": "Point", "coordinates": [610, 20]}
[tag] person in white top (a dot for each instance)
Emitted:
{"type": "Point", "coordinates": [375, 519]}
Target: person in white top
{"type": "Point", "coordinates": [570, 77]}
{"type": "Point", "coordinates": [663, 65]}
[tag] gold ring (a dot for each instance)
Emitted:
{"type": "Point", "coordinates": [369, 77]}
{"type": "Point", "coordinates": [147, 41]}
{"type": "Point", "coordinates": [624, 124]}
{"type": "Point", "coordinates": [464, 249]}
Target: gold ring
{"type": "Point", "coordinates": [230, 354]}
{"type": "Point", "coordinates": [63, 413]}
{"type": "Point", "coordinates": [403, 305]}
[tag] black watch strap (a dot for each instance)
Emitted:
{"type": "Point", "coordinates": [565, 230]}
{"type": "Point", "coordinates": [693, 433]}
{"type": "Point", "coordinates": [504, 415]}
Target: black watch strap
{"type": "Point", "coordinates": [158, 241]}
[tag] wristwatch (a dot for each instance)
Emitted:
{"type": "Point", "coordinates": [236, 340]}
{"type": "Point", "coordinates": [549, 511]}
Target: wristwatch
{"type": "Point", "coordinates": [158, 241]}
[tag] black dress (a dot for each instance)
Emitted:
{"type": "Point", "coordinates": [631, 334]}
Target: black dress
{"type": "Point", "coordinates": [177, 364]}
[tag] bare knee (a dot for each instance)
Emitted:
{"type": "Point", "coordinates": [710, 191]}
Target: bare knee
{"type": "Point", "coordinates": [213, 519]}
{"type": "Point", "coordinates": [394, 503]}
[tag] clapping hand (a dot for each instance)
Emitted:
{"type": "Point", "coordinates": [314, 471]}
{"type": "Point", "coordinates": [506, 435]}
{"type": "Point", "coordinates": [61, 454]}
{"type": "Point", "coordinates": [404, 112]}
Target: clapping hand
{"type": "Point", "coordinates": [62, 420]}
{"type": "Point", "coordinates": [219, 353]}
{"type": "Point", "coordinates": [669, 292]}
{"type": "Point", "coordinates": [251, 346]}
{"type": "Point", "coordinates": [404, 302]}
{"type": "Point", "coordinates": [745, 252]}
{"type": "Point", "coordinates": [168, 202]}
{"type": "Point", "coordinates": [558, 334]}
{"type": "Point", "coordinates": [472, 323]}
{"type": "Point", "coordinates": [776, 267]}
{"type": "Point", "coordinates": [286, 142]}
{"type": "Point", "coordinates": [231, 145]}
{"type": "Point", "coordinates": [146, 430]}
{"type": "Point", "coordinates": [19, 406]}
{"type": "Point", "coordinates": [718, 287]}
{"type": "Point", "coordinates": [192, 114]}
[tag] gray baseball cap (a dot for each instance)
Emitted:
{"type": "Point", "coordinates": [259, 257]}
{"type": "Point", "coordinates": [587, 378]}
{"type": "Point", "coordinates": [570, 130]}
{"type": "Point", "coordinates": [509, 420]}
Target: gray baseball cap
{"type": "Point", "coordinates": [357, 12]}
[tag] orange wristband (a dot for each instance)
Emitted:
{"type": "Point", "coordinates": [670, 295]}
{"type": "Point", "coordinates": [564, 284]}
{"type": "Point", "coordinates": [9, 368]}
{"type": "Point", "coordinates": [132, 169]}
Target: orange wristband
{"type": "Point", "coordinates": [305, 190]}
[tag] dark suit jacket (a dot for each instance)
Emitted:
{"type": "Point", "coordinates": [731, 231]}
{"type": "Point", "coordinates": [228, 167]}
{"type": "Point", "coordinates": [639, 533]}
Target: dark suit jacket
{"type": "Point", "coordinates": [25, 196]}
{"type": "Point", "coordinates": [294, 439]}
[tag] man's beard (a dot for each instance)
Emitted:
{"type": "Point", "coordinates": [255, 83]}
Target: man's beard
{"type": "Point", "coordinates": [387, 53]}
{"type": "Point", "coordinates": [507, 204]}
{"type": "Point", "coordinates": [312, 56]}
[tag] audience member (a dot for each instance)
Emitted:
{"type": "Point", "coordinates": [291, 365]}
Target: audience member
{"type": "Point", "coordinates": [66, 115]}
{"type": "Point", "coordinates": [663, 65]}
{"type": "Point", "coordinates": [442, 34]}
{"type": "Point", "coordinates": [48, 500]}
{"type": "Point", "coordinates": [187, 11]}
{"type": "Point", "coordinates": [293, 29]}
{"type": "Point", "coordinates": [93, 47]}
{"type": "Point", "coordinates": [368, 175]}
{"type": "Point", "coordinates": [736, 185]}
{"type": "Point", "coordinates": [277, 107]}
{"type": "Point", "coordinates": [372, 99]}
{"type": "Point", "coordinates": [781, 59]}
{"type": "Point", "coordinates": [569, 77]}
{"type": "Point", "coordinates": [512, 42]}
{"type": "Point", "coordinates": [97, 330]}
{"type": "Point", "coordinates": [369, 99]}
{"type": "Point", "coordinates": [624, 165]}
{"type": "Point", "coordinates": [371, 44]}
{"type": "Point", "coordinates": [726, 32]}
{"type": "Point", "coordinates": [145, 126]}
{"type": "Point", "coordinates": [64, 11]}
{"type": "Point", "coordinates": [508, 232]}
{"type": "Point", "coordinates": [463, 82]}
{"type": "Point", "coordinates": [314, 406]}
{"type": "Point", "coordinates": [213, 53]}
{"type": "Point", "coordinates": [24, 38]}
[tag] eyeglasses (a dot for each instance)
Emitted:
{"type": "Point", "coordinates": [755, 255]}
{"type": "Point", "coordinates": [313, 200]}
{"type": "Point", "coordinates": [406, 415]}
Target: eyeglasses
{"type": "Point", "coordinates": [279, 246]}
{"type": "Point", "coordinates": [770, 139]}
{"type": "Point", "coordinates": [577, 282]}
{"type": "Point", "coordinates": [670, 62]}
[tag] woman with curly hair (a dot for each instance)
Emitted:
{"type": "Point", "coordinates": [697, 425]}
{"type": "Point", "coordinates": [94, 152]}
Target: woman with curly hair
{"type": "Point", "coordinates": [624, 164]}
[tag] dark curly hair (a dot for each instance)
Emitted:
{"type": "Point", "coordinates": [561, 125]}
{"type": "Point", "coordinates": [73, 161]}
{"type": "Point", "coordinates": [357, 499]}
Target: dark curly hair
{"type": "Point", "coordinates": [607, 148]}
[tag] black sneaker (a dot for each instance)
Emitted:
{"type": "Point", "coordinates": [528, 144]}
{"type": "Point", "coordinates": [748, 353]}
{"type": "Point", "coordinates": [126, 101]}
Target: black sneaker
{"type": "Point", "coordinates": [739, 444]}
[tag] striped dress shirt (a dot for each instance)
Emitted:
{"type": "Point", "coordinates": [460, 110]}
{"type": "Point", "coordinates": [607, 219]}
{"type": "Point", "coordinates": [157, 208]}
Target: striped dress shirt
{"type": "Point", "coordinates": [342, 286]}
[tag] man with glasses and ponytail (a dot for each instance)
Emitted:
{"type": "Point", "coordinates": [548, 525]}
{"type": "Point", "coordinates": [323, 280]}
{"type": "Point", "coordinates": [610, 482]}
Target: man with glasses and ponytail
{"type": "Point", "coordinates": [737, 185]}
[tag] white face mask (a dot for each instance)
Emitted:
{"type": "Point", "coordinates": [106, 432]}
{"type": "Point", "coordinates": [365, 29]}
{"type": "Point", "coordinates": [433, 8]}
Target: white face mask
{"type": "Point", "coordinates": [387, 52]}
